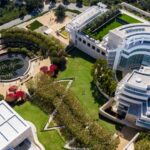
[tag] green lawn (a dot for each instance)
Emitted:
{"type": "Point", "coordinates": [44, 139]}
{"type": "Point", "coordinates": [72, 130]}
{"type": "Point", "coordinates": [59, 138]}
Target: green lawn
{"type": "Point", "coordinates": [111, 25]}
{"type": "Point", "coordinates": [79, 66]}
{"type": "Point", "coordinates": [128, 19]}
{"type": "Point", "coordinates": [49, 139]}
{"type": "Point", "coordinates": [34, 25]}
{"type": "Point", "coordinates": [105, 30]}
{"type": "Point", "coordinates": [9, 15]}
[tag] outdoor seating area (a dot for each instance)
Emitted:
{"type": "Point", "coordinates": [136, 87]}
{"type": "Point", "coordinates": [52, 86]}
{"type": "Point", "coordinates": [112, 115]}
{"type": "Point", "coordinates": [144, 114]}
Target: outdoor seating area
{"type": "Point", "coordinates": [14, 94]}
{"type": "Point", "coordinates": [52, 70]}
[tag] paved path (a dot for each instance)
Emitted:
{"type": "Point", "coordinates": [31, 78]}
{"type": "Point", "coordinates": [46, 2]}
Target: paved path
{"type": "Point", "coordinates": [45, 9]}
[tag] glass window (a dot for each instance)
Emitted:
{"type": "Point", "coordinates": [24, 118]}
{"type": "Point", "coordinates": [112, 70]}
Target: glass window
{"type": "Point", "coordinates": [84, 41]}
{"type": "Point", "coordinates": [89, 44]}
{"type": "Point", "coordinates": [103, 53]}
{"type": "Point", "coordinates": [98, 50]}
{"type": "Point", "coordinates": [80, 39]}
{"type": "Point", "coordinates": [93, 47]}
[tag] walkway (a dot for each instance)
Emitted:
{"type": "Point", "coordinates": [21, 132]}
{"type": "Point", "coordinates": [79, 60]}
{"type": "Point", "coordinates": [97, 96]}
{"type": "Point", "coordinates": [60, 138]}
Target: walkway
{"type": "Point", "coordinates": [45, 9]}
{"type": "Point", "coordinates": [125, 136]}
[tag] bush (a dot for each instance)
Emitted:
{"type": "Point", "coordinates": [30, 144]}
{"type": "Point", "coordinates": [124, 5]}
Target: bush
{"type": "Point", "coordinates": [1, 97]}
{"type": "Point", "coordinates": [30, 42]}
{"type": "Point", "coordinates": [104, 76]}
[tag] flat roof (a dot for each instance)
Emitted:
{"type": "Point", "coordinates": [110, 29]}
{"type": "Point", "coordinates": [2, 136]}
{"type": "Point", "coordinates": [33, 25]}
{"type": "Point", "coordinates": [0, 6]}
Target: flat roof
{"type": "Point", "coordinates": [11, 125]}
{"type": "Point", "coordinates": [140, 78]}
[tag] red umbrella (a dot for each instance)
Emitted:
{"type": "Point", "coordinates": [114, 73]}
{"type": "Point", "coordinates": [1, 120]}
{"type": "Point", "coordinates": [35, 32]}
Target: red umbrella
{"type": "Point", "coordinates": [10, 97]}
{"type": "Point", "coordinates": [53, 68]}
{"type": "Point", "coordinates": [13, 88]}
{"type": "Point", "coordinates": [44, 69]}
{"type": "Point", "coordinates": [20, 94]}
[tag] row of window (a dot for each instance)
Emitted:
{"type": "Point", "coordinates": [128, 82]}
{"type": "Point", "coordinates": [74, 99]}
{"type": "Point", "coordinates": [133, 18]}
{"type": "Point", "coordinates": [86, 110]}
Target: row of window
{"type": "Point", "coordinates": [93, 47]}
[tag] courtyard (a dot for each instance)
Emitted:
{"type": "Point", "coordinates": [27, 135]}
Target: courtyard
{"type": "Point", "coordinates": [79, 67]}
{"type": "Point", "coordinates": [112, 24]}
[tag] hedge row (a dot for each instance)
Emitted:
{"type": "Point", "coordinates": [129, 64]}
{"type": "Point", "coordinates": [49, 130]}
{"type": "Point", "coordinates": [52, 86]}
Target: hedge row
{"type": "Point", "coordinates": [89, 134]}
{"type": "Point", "coordinates": [36, 43]}
{"type": "Point", "coordinates": [99, 21]}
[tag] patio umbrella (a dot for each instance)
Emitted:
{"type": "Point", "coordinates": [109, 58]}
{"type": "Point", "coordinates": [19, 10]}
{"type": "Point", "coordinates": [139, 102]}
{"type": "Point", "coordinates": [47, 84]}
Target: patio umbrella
{"type": "Point", "coordinates": [44, 69]}
{"type": "Point", "coordinates": [10, 97]}
{"type": "Point", "coordinates": [13, 88]}
{"type": "Point", "coordinates": [20, 94]}
{"type": "Point", "coordinates": [53, 68]}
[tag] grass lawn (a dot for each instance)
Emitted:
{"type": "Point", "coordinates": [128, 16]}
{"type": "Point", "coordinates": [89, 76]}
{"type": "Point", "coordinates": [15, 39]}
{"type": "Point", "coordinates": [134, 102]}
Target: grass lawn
{"type": "Point", "coordinates": [111, 25]}
{"type": "Point", "coordinates": [128, 19]}
{"type": "Point", "coordinates": [50, 139]}
{"type": "Point", "coordinates": [79, 66]}
{"type": "Point", "coordinates": [9, 15]}
{"type": "Point", "coordinates": [105, 30]}
{"type": "Point", "coordinates": [34, 25]}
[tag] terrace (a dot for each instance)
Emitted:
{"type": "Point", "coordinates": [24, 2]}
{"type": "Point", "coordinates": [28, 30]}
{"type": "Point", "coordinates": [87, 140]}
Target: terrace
{"type": "Point", "coordinates": [114, 22]}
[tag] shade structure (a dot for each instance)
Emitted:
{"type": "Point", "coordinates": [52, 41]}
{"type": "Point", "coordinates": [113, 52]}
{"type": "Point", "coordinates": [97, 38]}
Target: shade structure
{"type": "Point", "coordinates": [44, 69]}
{"type": "Point", "coordinates": [20, 94]}
{"type": "Point", "coordinates": [13, 88]}
{"type": "Point", "coordinates": [53, 68]}
{"type": "Point", "coordinates": [11, 97]}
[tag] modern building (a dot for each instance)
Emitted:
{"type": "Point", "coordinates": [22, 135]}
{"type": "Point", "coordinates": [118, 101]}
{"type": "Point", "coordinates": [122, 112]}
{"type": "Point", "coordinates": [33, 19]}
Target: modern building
{"type": "Point", "coordinates": [133, 97]}
{"type": "Point", "coordinates": [82, 41]}
{"type": "Point", "coordinates": [127, 46]}
{"type": "Point", "coordinates": [15, 132]}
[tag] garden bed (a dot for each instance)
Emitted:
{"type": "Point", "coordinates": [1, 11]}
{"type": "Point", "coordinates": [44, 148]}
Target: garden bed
{"type": "Point", "coordinates": [34, 25]}
{"type": "Point", "coordinates": [12, 65]}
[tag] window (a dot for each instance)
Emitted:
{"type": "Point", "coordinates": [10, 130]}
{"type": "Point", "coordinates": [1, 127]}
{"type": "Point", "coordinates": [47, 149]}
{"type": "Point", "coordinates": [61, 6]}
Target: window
{"type": "Point", "coordinates": [89, 44]}
{"type": "Point", "coordinates": [93, 47]}
{"type": "Point", "coordinates": [103, 53]}
{"type": "Point", "coordinates": [84, 41]}
{"type": "Point", "coordinates": [80, 39]}
{"type": "Point", "coordinates": [98, 50]}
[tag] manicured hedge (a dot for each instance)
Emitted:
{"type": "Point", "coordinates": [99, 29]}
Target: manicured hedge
{"type": "Point", "coordinates": [49, 96]}
{"type": "Point", "coordinates": [36, 43]}
{"type": "Point", "coordinates": [98, 22]}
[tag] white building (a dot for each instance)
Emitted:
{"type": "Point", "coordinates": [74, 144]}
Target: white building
{"type": "Point", "coordinates": [128, 46]}
{"type": "Point", "coordinates": [15, 132]}
{"type": "Point", "coordinates": [133, 97]}
{"type": "Point", "coordinates": [125, 47]}
{"type": "Point", "coordinates": [81, 41]}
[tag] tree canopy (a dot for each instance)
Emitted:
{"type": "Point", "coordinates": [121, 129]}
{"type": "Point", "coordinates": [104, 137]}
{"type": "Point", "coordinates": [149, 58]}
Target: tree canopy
{"type": "Point", "coordinates": [50, 95]}
{"type": "Point", "coordinates": [104, 76]}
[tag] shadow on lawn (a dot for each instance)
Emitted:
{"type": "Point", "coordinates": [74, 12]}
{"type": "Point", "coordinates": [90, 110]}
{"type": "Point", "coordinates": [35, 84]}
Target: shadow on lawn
{"type": "Point", "coordinates": [98, 97]}
{"type": "Point", "coordinates": [77, 53]}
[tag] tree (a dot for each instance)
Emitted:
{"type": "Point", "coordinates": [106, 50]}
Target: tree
{"type": "Point", "coordinates": [34, 4]}
{"type": "Point", "coordinates": [60, 13]}
{"type": "Point", "coordinates": [145, 4]}
{"type": "Point", "coordinates": [104, 76]}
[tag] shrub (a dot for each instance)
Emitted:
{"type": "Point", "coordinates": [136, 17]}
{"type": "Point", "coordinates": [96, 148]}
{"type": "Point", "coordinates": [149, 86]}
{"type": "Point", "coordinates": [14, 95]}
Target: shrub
{"type": "Point", "coordinates": [1, 97]}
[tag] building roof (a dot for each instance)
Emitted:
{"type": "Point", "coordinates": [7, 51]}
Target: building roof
{"type": "Point", "coordinates": [140, 79]}
{"type": "Point", "coordinates": [11, 125]}
{"type": "Point", "coordinates": [87, 16]}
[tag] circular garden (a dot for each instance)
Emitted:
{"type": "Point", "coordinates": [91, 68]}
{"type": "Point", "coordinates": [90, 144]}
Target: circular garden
{"type": "Point", "coordinates": [13, 65]}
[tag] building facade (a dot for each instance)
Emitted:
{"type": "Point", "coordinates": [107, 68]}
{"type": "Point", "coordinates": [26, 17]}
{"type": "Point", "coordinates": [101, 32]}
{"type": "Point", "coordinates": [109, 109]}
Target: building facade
{"type": "Point", "coordinates": [15, 132]}
{"type": "Point", "coordinates": [133, 97]}
{"type": "Point", "coordinates": [128, 46]}
{"type": "Point", "coordinates": [82, 41]}
{"type": "Point", "coordinates": [125, 47]}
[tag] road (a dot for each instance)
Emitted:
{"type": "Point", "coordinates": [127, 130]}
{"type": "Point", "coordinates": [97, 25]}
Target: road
{"type": "Point", "coordinates": [45, 9]}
